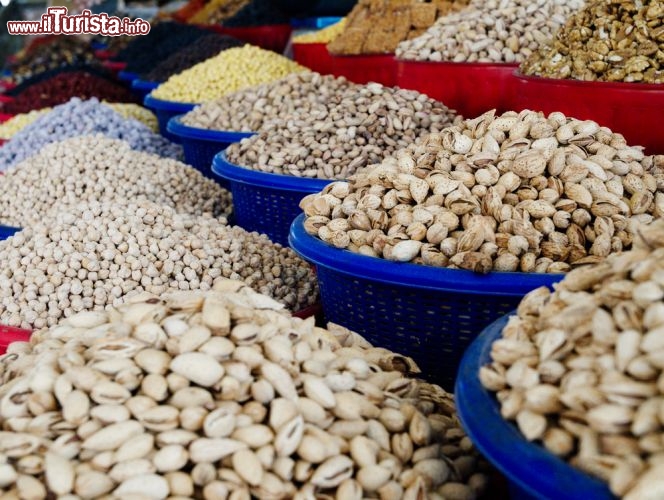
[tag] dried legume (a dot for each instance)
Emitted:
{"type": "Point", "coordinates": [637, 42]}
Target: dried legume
{"type": "Point", "coordinates": [257, 13]}
{"type": "Point", "coordinates": [97, 168]}
{"type": "Point", "coordinates": [326, 35]}
{"type": "Point", "coordinates": [77, 118]}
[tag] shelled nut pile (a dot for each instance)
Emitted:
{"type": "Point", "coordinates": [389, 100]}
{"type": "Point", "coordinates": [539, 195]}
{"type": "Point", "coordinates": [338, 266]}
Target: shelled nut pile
{"type": "Point", "coordinates": [217, 394]}
{"type": "Point", "coordinates": [95, 168]}
{"type": "Point", "coordinates": [490, 31]}
{"type": "Point", "coordinates": [79, 118]}
{"type": "Point", "coordinates": [249, 109]}
{"type": "Point", "coordinates": [359, 128]}
{"type": "Point", "coordinates": [606, 41]}
{"type": "Point", "coordinates": [232, 70]}
{"type": "Point", "coordinates": [95, 254]}
{"type": "Point", "coordinates": [580, 369]}
{"type": "Point", "coordinates": [516, 192]}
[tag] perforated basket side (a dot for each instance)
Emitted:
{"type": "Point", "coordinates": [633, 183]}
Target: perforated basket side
{"type": "Point", "coordinates": [533, 472]}
{"type": "Point", "coordinates": [262, 202]}
{"type": "Point", "coordinates": [165, 110]}
{"type": "Point", "coordinates": [8, 231]}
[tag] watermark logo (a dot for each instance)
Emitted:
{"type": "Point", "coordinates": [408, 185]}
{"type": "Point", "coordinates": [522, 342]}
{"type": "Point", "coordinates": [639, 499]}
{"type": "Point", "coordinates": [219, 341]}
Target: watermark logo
{"type": "Point", "coordinates": [56, 21]}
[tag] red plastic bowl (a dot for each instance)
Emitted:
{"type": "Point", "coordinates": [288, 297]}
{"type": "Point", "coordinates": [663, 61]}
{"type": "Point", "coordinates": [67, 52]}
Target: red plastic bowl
{"type": "Point", "coordinates": [114, 66]}
{"type": "Point", "coordinates": [314, 56]}
{"type": "Point", "coordinates": [273, 37]}
{"type": "Point", "coordinates": [5, 117]}
{"type": "Point", "coordinates": [365, 69]}
{"type": "Point", "coordinates": [469, 88]}
{"type": "Point", "coordinates": [632, 109]}
{"type": "Point", "coordinates": [9, 334]}
{"type": "Point", "coordinates": [6, 85]}
{"type": "Point", "coordinates": [103, 54]}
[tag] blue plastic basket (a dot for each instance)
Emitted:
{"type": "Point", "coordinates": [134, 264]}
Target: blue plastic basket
{"type": "Point", "coordinates": [431, 314]}
{"type": "Point", "coordinates": [7, 231]}
{"type": "Point", "coordinates": [127, 76]}
{"type": "Point", "coordinates": [143, 87]}
{"type": "Point", "coordinates": [314, 23]}
{"type": "Point", "coordinates": [262, 202]}
{"type": "Point", "coordinates": [165, 110]}
{"type": "Point", "coordinates": [532, 471]}
{"type": "Point", "coordinates": [201, 145]}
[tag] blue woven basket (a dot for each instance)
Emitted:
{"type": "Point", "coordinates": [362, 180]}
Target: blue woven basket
{"type": "Point", "coordinates": [266, 203]}
{"type": "Point", "coordinates": [431, 314]}
{"type": "Point", "coordinates": [7, 231]}
{"type": "Point", "coordinates": [201, 145]}
{"type": "Point", "coordinates": [127, 76]}
{"type": "Point", "coordinates": [532, 471]}
{"type": "Point", "coordinates": [143, 87]}
{"type": "Point", "coordinates": [165, 110]}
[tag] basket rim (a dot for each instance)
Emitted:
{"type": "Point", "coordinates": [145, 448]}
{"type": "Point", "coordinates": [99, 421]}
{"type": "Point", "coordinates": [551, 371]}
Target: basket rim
{"type": "Point", "coordinates": [139, 84]}
{"type": "Point", "coordinates": [318, 22]}
{"type": "Point", "coordinates": [127, 76]}
{"type": "Point", "coordinates": [159, 104]}
{"type": "Point", "coordinates": [176, 127]}
{"type": "Point", "coordinates": [8, 231]}
{"type": "Point", "coordinates": [569, 82]}
{"type": "Point", "coordinates": [413, 275]}
{"type": "Point", "coordinates": [452, 64]}
{"type": "Point", "coordinates": [235, 173]}
{"type": "Point", "coordinates": [501, 442]}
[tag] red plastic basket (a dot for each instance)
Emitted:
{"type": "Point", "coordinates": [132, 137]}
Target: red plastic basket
{"type": "Point", "coordinates": [104, 54]}
{"type": "Point", "coordinates": [469, 88]}
{"type": "Point", "coordinates": [272, 37]}
{"type": "Point", "coordinates": [365, 69]}
{"type": "Point", "coordinates": [314, 56]}
{"type": "Point", "coordinates": [5, 117]}
{"type": "Point", "coordinates": [115, 66]}
{"type": "Point", "coordinates": [9, 334]}
{"type": "Point", "coordinates": [632, 109]}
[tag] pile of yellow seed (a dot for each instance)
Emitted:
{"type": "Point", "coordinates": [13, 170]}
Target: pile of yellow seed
{"type": "Point", "coordinates": [14, 125]}
{"type": "Point", "coordinates": [136, 112]}
{"type": "Point", "coordinates": [230, 71]}
{"type": "Point", "coordinates": [326, 35]}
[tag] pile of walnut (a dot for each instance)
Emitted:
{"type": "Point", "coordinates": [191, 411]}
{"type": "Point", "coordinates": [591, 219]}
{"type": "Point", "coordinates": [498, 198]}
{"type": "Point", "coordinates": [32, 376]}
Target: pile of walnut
{"type": "Point", "coordinates": [517, 192]}
{"type": "Point", "coordinates": [221, 394]}
{"type": "Point", "coordinates": [608, 41]}
{"type": "Point", "coordinates": [581, 368]}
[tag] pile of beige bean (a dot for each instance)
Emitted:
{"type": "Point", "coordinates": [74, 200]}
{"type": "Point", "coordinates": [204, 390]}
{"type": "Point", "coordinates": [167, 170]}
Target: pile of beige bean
{"type": "Point", "coordinates": [95, 168]}
{"type": "Point", "coordinates": [95, 254]}
{"type": "Point", "coordinates": [580, 369]}
{"type": "Point", "coordinates": [248, 110]}
{"type": "Point", "coordinates": [516, 192]}
{"type": "Point", "coordinates": [490, 31]}
{"type": "Point", "coordinates": [614, 42]}
{"type": "Point", "coordinates": [222, 395]}
{"type": "Point", "coordinates": [358, 128]}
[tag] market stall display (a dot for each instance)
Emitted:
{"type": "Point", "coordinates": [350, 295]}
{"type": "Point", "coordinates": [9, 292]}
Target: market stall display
{"type": "Point", "coordinates": [62, 87]}
{"type": "Point", "coordinates": [91, 255]}
{"type": "Point", "coordinates": [604, 53]}
{"type": "Point", "coordinates": [590, 348]}
{"type": "Point", "coordinates": [356, 126]}
{"type": "Point", "coordinates": [486, 40]}
{"type": "Point", "coordinates": [77, 118]}
{"type": "Point", "coordinates": [245, 399]}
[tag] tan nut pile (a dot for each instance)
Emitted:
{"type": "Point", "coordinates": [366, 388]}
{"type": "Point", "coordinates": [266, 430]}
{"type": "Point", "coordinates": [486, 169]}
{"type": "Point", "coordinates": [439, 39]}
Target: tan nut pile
{"type": "Point", "coordinates": [361, 127]}
{"type": "Point", "coordinates": [95, 254]}
{"type": "Point", "coordinates": [221, 395]}
{"type": "Point", "coordinates": [580, 369]}
{"type": "Point", "coordinates": [608, 41]}
{"type": "Point", "coordinates": [248, 110]}
{"type": "Point", "coordinates": [96, 168]}
{"type": "Point", "coordinates": [490, 31]}
{"type": "Point", "coordinates": [517, 192]}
